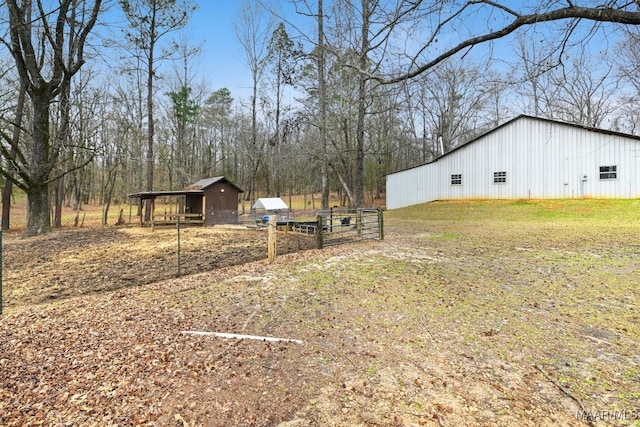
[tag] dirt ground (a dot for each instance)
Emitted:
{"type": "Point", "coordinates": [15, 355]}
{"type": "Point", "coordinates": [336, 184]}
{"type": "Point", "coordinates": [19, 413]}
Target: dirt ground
{"type": "Point", "coordinates": [72, 262]}
{"type": "Point", "coordinates": [490, 325]}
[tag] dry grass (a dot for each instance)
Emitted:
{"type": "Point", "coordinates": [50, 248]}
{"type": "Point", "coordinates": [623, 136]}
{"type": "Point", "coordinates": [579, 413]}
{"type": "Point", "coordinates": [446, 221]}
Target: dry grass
{"type": "Point", "coordinates": [90, 215]}
{"type": "Point", "coordinates": [539, 283]}
{"type": "Point", "coordinates": [469, 313]}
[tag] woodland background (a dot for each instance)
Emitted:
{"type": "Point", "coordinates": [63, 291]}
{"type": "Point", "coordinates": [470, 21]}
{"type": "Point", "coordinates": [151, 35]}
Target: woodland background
{"type": "Point", "coordinates": [100, 98]}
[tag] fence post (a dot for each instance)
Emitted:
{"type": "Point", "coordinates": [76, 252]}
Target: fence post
{"type": "Point", "coordinates": [331, 219]}
{"type": "Point", "coordinates": [381, 224]}
{"type": "Point", "coordinates": [319, 232]}
{"type": "Point", "coordinates": [271, 244]}
{"type": "Point", "coordinates": [179, 260]}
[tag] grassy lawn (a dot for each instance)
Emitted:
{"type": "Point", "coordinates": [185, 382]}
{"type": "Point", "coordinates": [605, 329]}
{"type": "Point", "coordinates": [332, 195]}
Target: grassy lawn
{"type": "Point", "coordinates": [551, 284]}
{"type": "Point", "coordinates": [469, 313]}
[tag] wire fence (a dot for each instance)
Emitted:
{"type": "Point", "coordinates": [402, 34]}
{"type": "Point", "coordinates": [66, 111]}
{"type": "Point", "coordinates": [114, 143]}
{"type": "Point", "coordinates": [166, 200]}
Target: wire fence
{"type": "Point", "coordinates": [337, 226]}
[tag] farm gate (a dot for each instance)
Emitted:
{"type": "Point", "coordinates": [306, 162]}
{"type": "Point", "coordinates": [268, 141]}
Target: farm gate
{"type": "Point", "coordinates": [337, 226]}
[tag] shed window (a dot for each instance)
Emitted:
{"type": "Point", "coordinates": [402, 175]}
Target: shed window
{"type": "Point", "coordinates": [500, 177]}
{"type": "Point", "coordinates": [609, 172]}
{"type": "Point", "coordinates": [456, 179]}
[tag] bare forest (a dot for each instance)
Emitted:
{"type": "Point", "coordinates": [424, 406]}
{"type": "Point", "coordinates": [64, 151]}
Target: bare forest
{"type": "Point", "coordinates": [102, 98]}
{"type": "Point", "coordinates": [476, 313]}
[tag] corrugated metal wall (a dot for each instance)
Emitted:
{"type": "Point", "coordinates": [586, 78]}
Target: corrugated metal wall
{"type": "Point", "coordinates": [541, 158]}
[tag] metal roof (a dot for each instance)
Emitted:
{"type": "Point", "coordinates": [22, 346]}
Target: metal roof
{"type": "Point", "coordinates": [270, 204]}
{"type": "Point", "coordinates": [154, 194]}
{"type": "Point", "coordinates": [194, 189]}
{"type": "Point", "coordinates": [208, 182]}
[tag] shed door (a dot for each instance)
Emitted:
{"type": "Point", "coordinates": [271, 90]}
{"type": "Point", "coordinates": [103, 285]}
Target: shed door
{"type": "Point", "coordinates": [222, 207]}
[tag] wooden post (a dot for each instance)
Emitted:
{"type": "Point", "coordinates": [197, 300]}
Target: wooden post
{"type": "Point", "coordinates": [381, 224]}
{"type": "Point", "coordinates": [153, 219]}
{"type": "Point", "coordinates": [141, 211]}
{"type": "Point", "coordinates": [271, 246]}
{"type": "Point", "coordinates": [319, 232]}
{"type": "Point", "coordinates": [331, 219]}
{"type": "Point", "coordinates": [153, 214]}
{"type": "Point", "coordinates": [178, 226]}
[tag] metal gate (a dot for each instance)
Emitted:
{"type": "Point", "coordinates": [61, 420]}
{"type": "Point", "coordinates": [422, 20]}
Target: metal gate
{"type": "Point", "coordinates": [337, 226]}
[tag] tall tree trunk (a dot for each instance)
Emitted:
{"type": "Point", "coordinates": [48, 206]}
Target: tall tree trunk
{"type": "Point", "coordinates": [322, 100]}
{"type": "Point", "coordinates": [63, 138]}
{"type": "Point", "coordinates": [362, 106]}
{"type": "Point", "coordinates": [58, 196]}
{"type": "Point", "coordinates": [38, 218]}
{"type": "Point", "coordinates": [75, 191]}
{"type": "Point", "coordinates": [43, 81]}
{"type": "Point", "coordinates": [6, 202]}
{"type": "Point", "coordinates": [277, 136]}
{"type": "Point", "coordinates": [255, 155]}
{"type": "Point", "coordinates": [150, 132]}
{"type": "Point", "coordinates": [15, 139]}
{"type": "Point", "coordinates": [108, 193]}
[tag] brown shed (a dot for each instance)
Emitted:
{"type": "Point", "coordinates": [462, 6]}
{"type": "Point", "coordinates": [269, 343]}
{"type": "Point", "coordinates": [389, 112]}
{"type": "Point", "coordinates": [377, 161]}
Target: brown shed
{"type": "Point", "coordinates": [209, 201]}
{"type": "Point", "coordinates": [219, 199]}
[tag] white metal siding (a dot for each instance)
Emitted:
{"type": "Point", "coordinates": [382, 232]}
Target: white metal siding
{"type": "Point", "coordinates": [542, 159]}
{"type": "Point", "coordinates": [411, 187]}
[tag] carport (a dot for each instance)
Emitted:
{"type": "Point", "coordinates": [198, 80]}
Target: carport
{"type": "Point", "coordinates": [209, 201]}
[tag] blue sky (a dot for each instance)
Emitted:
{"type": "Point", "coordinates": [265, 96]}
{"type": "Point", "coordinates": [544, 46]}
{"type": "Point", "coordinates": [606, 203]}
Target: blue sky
{"type": "Point", "coordinates": [211, 27]}
{"type": "Point", "coordinates": [221, 61]}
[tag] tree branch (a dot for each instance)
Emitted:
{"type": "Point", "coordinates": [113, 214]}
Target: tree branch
{"type": "Point", "coordinates": [605, 14]}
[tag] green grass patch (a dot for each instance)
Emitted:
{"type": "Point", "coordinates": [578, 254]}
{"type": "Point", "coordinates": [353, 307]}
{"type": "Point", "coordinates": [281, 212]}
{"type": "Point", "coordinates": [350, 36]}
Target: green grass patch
{"type": "Point", "coordinates": [549, 283]}
{"type": "Point", "coordinates": [565, 210]}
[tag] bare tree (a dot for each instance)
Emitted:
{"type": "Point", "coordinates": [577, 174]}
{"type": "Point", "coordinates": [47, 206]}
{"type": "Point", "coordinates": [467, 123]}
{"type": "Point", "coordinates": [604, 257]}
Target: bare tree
{"type": "Point", "coordinates": [216, 126]}
{"type": "Point", "coordinates": [46, 62]}
{"type": "Point", "coordinates": [444, 17]}
{"type": "Point", "coordinates": [628, 60]}
{"type": "Point", "coordinates": [76, 123]}
{"type": "Point", "coordinates": [283, 55]}
{"type": "Point", "coordinates": [15, 140]}
{"type": "Point", "coordinates": [579, 89]}
{"type": "Point", "coordinates": [127, 101]}
{"type": "Point", "coordinates": [362, 40]}
{"type": "Point", "coordinates": [532, 76]}
{"type": "Point", "coordinates": [322, 105]}
{"type": "Point", "coordinates": [585, 92]}
{"type": "Point", "coordinates": [315, 85]}
{"type": "Point", "coordinates": [150, 21]}
{"type": "Point", "coordinates": [253, 31]}
{"type": "Point", "coordinates": [184, 110]}
{"type": "Point", "coordinates": [454, 104]}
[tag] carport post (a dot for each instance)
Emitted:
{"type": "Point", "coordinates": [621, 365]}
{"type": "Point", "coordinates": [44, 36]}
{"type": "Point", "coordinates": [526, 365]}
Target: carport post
{"type": "Point", "coordinates": [140, 209]}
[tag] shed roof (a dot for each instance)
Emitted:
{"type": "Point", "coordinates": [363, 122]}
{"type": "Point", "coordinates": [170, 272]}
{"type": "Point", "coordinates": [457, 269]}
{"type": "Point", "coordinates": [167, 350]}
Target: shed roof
{"type": "Point", "coordinates": [194, 189]}
{"type": "Point", "coordinates": [270, 204]}
{"type": "Point", "coordinates": [153, 194]}
{"type": "Point", "coordinates": [208, 182]}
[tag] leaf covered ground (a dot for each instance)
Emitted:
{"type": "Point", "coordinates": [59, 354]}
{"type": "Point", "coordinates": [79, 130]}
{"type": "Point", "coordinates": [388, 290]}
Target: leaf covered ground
{"type": "Point", "coordinates": [483, 313]}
